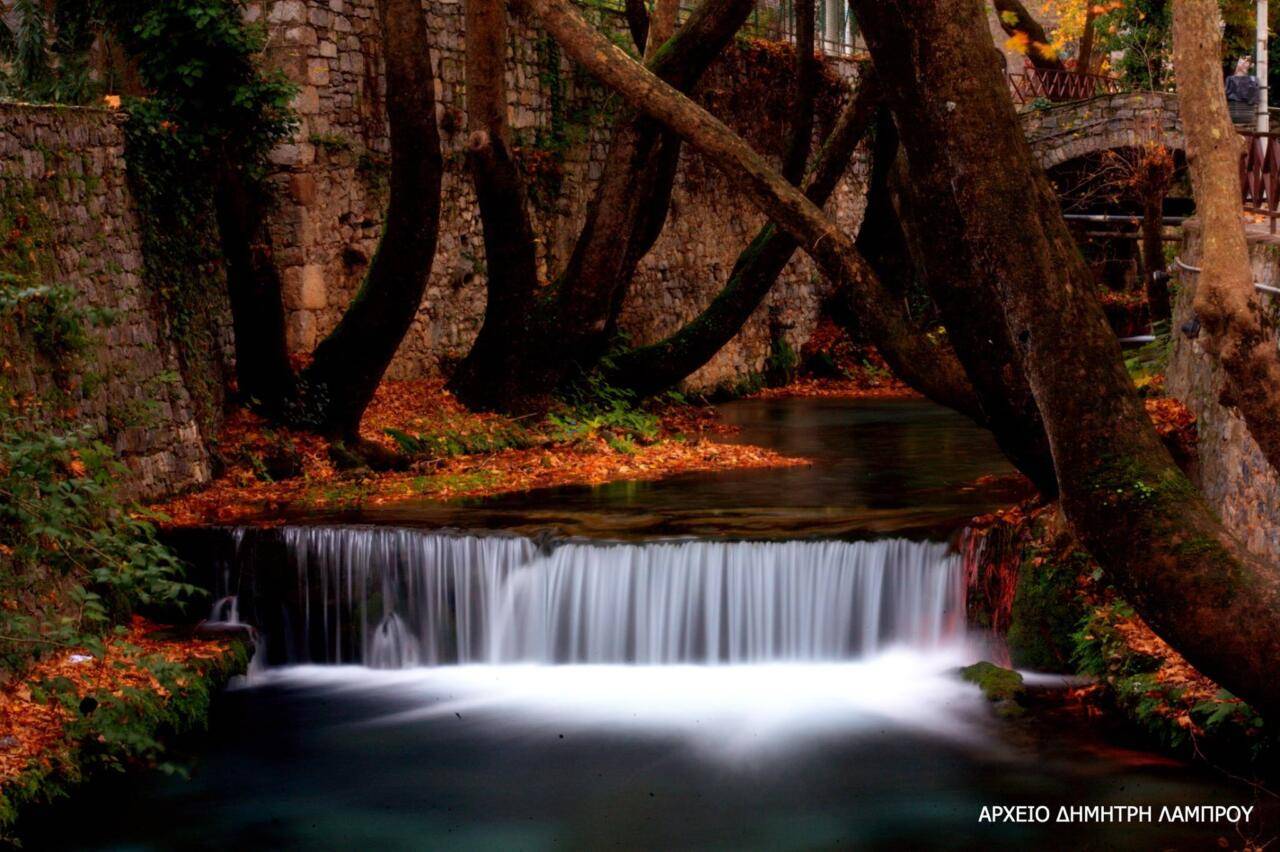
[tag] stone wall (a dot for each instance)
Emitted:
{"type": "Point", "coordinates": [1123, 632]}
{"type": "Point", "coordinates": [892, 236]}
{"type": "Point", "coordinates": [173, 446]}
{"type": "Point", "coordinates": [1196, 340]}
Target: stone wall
{"type": "Point", "coordinates": [330, 187]}
{"type": "Point", "coordinates": [62, 178]}
{"type": "Point", "coordinates": [1234, 476]}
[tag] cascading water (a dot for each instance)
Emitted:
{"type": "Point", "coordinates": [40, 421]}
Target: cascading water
{"type": "Point", "coordinates": [397, 598]}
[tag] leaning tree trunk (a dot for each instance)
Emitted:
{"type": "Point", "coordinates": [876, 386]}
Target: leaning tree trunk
{"type": "Point", "coordinates": [1126, 499]}
{"type": "Point", "coordinates": [1226, 301]}
{"type": "Point", "coordinates": [922, 360]}
{"type": "Point", "coordinates": [349, 364]}
{"type": "Point", "coordinates": [650, 369]}
{"type": "Point", "coordinates": [523, 361]}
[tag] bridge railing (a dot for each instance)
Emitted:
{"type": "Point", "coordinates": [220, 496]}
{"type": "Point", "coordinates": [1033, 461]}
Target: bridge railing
{"type": "Point", "coordinates": [1035, 84]}
{"type": "Point", "coordinates": [1260, 175]}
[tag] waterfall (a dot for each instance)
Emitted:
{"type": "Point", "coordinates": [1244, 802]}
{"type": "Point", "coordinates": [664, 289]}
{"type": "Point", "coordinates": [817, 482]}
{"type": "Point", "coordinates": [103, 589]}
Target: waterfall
{"type": "Point", "coordinates": [395, 598]}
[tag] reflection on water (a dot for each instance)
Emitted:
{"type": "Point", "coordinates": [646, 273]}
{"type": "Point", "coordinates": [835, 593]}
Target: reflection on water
{"type": "Point", "coordinates": [901, 467]}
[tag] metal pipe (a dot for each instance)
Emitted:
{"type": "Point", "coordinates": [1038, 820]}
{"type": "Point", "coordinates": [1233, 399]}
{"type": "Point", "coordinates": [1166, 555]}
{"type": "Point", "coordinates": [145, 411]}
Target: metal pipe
{"type": "Point", "coordinates": [1265, 288]}
{"type": "Point", "coordinates": [1264, 116]}
{"type": "Point", "coordinates": [1111, 217]}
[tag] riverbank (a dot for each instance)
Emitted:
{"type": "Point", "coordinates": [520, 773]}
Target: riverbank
{"type": "Point", "coordinates": [450, 452]}
{"type": "Point", "coordinates": [79, 712]}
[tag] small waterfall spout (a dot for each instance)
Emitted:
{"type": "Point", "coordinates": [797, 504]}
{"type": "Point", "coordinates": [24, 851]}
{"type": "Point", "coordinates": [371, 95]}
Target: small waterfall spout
{"type": "Point", "coordinates": [395, 598]}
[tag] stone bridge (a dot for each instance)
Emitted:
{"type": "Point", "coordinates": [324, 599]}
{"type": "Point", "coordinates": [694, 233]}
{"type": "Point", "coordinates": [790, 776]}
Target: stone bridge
{"type": "Point", "coordinates": [1066, 131]}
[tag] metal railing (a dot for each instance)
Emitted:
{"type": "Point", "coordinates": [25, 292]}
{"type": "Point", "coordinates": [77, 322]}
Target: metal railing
{"type": "Point", "coordinates": [1045, 84]}
{"type": "Point", "coordinates": [835, 31]}
{"type": "Point", "coordinates": [1260, 175]}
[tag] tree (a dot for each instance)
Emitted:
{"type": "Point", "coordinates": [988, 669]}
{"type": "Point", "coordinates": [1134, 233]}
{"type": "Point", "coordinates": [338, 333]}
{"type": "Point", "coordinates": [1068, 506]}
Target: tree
{"type": "Point", "coordinates": [347, 366]}
{"type": "Point", "coordinates": [1018, 24]}
{"type": "Point", "coordinates": [201, 60]}
{"type": "Point", "coordinates": [923, 360]}
{"type": "Point", "coordinates": [1226, 301]}
{"type": "Point", "coordinates": [534, 338]}
{"type": "Point", "coordinates": [1125, 497]}
{"type": "Point", "coordinates": [655, 367]}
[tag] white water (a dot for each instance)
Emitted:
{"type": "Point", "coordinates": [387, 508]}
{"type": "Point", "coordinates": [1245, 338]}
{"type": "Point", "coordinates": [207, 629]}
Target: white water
{"type": "Point", "coordinates": [397, 598]}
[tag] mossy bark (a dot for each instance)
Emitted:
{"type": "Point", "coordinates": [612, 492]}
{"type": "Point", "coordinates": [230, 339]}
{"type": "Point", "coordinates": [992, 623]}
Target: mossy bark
{"type": "Point", "coordinates": [1126, 499]}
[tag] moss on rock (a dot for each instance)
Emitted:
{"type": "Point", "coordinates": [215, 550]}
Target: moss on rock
{"type": "Point", "coordinates": [1002, 687]}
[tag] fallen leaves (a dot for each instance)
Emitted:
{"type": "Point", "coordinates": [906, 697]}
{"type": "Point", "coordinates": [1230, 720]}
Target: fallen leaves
{"type": "Point", "coordinates": [32, 724]}
{"type": "Point", "coordinates": [245, 492]}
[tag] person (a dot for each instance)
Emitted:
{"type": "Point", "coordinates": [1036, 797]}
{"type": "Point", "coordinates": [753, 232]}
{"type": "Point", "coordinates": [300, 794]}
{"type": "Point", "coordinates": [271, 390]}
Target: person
{"type": "Point", "coordinates": [1242, 95]}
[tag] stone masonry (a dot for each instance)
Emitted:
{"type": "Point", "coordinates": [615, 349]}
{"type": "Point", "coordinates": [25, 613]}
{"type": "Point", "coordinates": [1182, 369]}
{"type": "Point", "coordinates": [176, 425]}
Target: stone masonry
{"type": "Point", "coordinates": [330, 191]}
{"type": "Point", "coordinates": [1233, 474]}
{"type": "Point", "coordinates": [62, 176]}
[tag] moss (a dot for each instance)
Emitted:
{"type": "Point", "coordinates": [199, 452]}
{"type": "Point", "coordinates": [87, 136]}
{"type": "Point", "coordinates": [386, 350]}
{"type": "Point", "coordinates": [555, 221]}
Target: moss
{"type": "Point", "coordinates": [122, 729]}
{"type": "Point", "coordinates": [1002, 687]}
{"type": "Point", "coordinates": [1046, 609]}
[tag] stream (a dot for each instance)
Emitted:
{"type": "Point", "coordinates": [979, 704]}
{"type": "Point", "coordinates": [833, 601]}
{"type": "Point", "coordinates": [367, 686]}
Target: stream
{"type": "Point", "coordinates": [758, 659]}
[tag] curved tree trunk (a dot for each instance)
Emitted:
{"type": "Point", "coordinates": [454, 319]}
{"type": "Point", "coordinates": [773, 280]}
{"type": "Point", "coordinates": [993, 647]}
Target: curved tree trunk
{"type": "Point", "coordinates": [919, 359]}
{"type": "Point", "coordinates": [506, 350]}
{"type": "Point", "coordinates": [518, 362]}
{"type": "Point", "coordinates": [1226, 301]}
{"type": "Point", "coordinates": [1144, 522]}
{"type": "Point", "coordinates": [650, 369]}
{"type": "Point", "coordinates": [349, 364]}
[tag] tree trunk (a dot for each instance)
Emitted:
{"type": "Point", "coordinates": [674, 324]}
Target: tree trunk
{"type": "Point", "coordinates": [1084, 62]}
{"type": "Point", "coordinates": [1015, 19]}
{"type": "Point", "coordinates": [806, 91]}
{"type": "Point", "coordinates": [1153, 265]}
{"type": "Point", "coordinates": [973, 317]}
{"type": "Point", "coordinates": [923, 361]}
{"type": "Point", "coordinates": [1147, 526]}
{"type": "Point", "coordinates": [504, 354]}
{"type": "Point", "coordinates": [349, 364]}
{"type": "Point", "coordinates": [1226, 301]}
{"type": "Point", "coordinates": [263, 373]}
{"type": "Point", "coordinates": [519, 361]}
{"type": "Point", "coordinates": [649, 369]}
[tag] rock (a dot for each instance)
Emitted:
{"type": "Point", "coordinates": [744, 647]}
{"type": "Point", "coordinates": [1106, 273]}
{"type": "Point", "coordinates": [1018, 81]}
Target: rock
{"type": "Point", "coordinates": [1002, 687]}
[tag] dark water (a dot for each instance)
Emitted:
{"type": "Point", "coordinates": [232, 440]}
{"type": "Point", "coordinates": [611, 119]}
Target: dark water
{"type": "Point", "coordinates": [902, 467]}
{"type": "Point", "coordinates": [322, 761]}
{"type": "Point", "coordinates": [890, 751]}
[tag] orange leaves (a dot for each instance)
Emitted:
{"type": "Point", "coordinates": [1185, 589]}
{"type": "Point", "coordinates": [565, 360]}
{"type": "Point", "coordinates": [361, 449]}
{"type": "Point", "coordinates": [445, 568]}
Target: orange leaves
{"type": "Point", "coordinates": [425, 407]}
{"type": "Point", "coordinates": [32, 723]}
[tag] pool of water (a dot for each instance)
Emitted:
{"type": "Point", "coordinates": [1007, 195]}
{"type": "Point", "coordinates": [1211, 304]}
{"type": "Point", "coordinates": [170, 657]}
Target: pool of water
{"type": "Point", "coordinates": [904, 467]}
{"type": "Point", "coordinates": [871, 744]}
{"type": "Point", "coordinates": [892, 753]}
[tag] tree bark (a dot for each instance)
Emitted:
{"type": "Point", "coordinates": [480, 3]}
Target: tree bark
{"type": "Point", "coordinates": [263, 373]}
{"type": "Point", "coordinates": [973, 316]}
{"type": "Point", "coordinates": [1225, 301]}
{"type": "Point", "coordinates": [1144, 522]}
{"type": "Point", "coordinates": [1015, 19]}
{"type": "Point", "coordinates": [1085, 59]}
{"type": "Point", "coordinates": [923, 361]}
{"type": "Point", "coordinates": [650, 369]}
{"type": "Point", "coordinates": [348, 365]}
{"type": "Point", "coordinates": [518, 362]}
{"type": "Point", "coordinates": [1154, 268]}
{"type": "Point", "coordinates": [504, 354]}
{"type": "Point", "coordinates": [805, 92]}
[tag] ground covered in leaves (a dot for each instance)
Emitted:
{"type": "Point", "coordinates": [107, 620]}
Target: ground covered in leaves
{"type": "Point", "coordinates": [74, 712]}
{"type": "Point", "coordinates": [453, 452]}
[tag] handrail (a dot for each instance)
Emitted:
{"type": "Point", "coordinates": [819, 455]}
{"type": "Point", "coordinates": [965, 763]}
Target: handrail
{"type": "Point", "coordinates": [1057, 86]}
